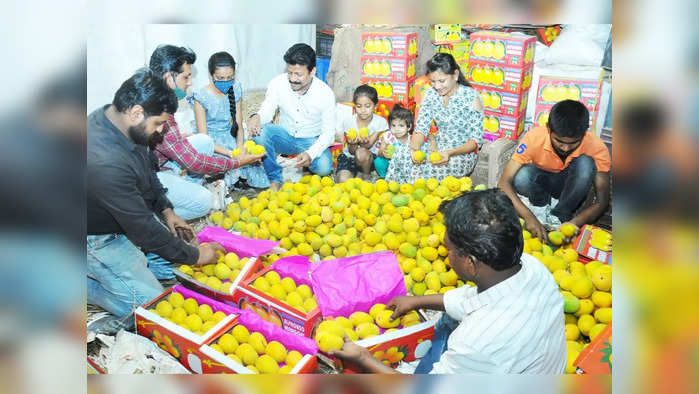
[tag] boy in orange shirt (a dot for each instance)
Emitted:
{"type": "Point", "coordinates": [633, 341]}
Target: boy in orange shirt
{"type": "Point", "coordinates": [561, 161]}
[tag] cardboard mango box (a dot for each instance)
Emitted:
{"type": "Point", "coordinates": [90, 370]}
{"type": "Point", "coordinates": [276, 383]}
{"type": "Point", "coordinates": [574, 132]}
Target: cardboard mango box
{"type": "Point", "coordinates": [388, 68]}
{"type": "Point", "coordinates": [180, 342]}
{"type": "Point", "coordinates": [511, 104]}
{"type": "Point", "coordinates": [406, 344]}
{"type": "Point", "coordinates": [273, 310]}
{"type": "Point", "coordinates": [502, 125]}
{"type": "Point", "coordinates": [214, 361]}
{"type": "Point", "coordinates": [597, 356]}
{"type": "Point", "coordinates": [445, 32]}
{"type": "Point", "coordinates": [402, 92]}
{"type": "Point", "coordinates": [586, 250]}
{"type": "Point", "coordinates": [460, 50]}
{"type": "Point", "coordinates": [500, 77]}
{"type": "Point", "coordinates": [513, 50]}
{"type": "Point", "coordinates": [554, 89]}
{"type": "Point", "coordinates": [390, 44]}
{"type": "Point", "coordinates": [252, 265]}
{"type": "Point", "coordinates": [542, 111]}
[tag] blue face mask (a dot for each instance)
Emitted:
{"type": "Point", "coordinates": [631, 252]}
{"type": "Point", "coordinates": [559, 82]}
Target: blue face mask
{"type": "Point", "coordinates": [178, 92]}
{"type": "Point", "coordinates": [223, 86]}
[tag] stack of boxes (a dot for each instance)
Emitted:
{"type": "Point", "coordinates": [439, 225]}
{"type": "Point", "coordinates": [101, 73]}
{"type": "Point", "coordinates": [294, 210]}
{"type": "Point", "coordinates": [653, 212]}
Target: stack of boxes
{"type": "Point", "coordinates": [500, 69]}
{"type": "Point", "coordinates": [554, 89]}
{"type": "Point", "coordinates": [447, 39]}
{"type": "Point", "coordinates": [388, 63]}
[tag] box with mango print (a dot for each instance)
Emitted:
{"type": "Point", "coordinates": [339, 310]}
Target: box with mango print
{"type": "Point", "coordinates": [223, 288]}
{"type": "Point", "coordinates": [180, 320]}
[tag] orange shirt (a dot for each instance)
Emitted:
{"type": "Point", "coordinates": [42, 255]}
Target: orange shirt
{"type": "Point", "coordinates": [536, 148]}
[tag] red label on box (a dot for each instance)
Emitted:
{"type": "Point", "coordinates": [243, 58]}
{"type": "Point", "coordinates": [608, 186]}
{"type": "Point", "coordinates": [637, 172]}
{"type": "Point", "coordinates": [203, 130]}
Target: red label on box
{"type": "Point", "coordinates": [389, 44]}
{"type": "Point", "coordinates": [503, 48]}
{"type": "Point", "coordinates": [510, 104]}
{"type": "Point", "coordinates": [587, 246]}
{"type": "Point", "coordinates": [397, 91]}
{"type": "Point", "coordinates": [554, 89]}
{"type": "Point", "coordinates": [388, 68]}
{"type": "Point", "coordinates": [502, 125]}
{"type": "Point", "coordinates": [506, 79]}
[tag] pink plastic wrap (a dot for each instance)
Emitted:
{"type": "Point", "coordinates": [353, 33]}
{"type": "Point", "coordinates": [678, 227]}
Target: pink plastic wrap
{"type": "Point", "coordinates": [242, 246]}
{"type": "Point", "coordinates": [271, 332]}
{"type": "Point", "coordinates": [295, 267]}
{"type": "Point", "coordinates": [351, 284]}
{"type": "Point", "coordinates": [202, 299]}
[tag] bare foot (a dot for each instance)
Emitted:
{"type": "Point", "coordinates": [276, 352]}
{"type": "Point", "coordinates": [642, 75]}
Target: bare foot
{"type": "Point", "coordinates": [275, 186]}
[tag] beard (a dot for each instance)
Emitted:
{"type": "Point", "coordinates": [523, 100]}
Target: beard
{"type": "Point", "coordinates": [139, 136]}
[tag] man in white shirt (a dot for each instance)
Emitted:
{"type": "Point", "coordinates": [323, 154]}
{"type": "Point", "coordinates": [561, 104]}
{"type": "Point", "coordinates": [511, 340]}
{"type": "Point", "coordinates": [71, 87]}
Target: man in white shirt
{"type": "Point", "coordinates": [510, 322]}
{"type": "Point", "coordinates": [307, 117]}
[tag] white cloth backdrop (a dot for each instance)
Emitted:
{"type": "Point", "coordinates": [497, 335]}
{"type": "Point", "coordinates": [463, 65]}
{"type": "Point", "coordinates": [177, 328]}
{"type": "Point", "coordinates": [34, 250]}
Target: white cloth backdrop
{"type": "Point", "coordinates": [116, 51]}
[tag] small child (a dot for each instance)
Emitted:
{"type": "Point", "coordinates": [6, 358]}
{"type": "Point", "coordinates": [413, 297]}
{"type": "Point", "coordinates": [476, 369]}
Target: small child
{"type": "Point", "coordinates": [397, 138]}
{"type": "Point", "coordinates": [359, 151]}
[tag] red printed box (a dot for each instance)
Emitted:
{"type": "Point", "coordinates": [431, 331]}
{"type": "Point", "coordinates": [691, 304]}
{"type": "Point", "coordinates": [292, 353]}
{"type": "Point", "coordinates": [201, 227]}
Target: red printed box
{"type": "Point", "coordinates": [460, 50]}
{"type": "Point", "coordinates": [406, 344]}
{"type": "Point", "coordinates": [215, 361]}
{"type": "Point", "coordinates": [388, 68]}
{"type": "Point", "coordinates": [390, 44]}
{"type": "Point", "coordinates": [180, 342]}
{"type": "Point", "coordinates": [502, 125]}
{"type": "Point", "coordinates": [402, 92]}
{"type": "Point", "coordinates": [506, 79]}
{"type": "Point", "coordinates": [554, 89]}
{"type": "Point", "coordinates": [596, 358]}
{"type": "Point", "coordinates": [273, 310]}
{"type": "Point", "coordinates": [510, 104]}
{"type": "Point", "coordinates": [250, 266]}
{"type": "Point", "coordinates": [512, 50]}
{"type": "Point", "coordinates": [594, 243]}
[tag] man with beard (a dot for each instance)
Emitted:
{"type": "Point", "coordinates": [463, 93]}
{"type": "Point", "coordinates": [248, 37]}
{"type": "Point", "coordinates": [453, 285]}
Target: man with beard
{"type": "Point", "coordinates": [306, 117]}
{"type": "Point", "coordinates": [561, 160]}
{"type": "Point", "coordinates": [123, 193]}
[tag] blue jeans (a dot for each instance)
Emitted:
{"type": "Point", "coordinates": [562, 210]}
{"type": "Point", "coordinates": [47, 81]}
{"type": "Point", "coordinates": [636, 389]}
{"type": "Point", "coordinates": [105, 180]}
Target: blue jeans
{"type": "Point", "coordinates": [569, 186]}
{"type": "Point", "coordinates": [381, 166]}
{"type": "Point", "coordinates": [444, 327]}
{"type": "Point", "coordinates": [189, 198]}
{"type": "Point", "coordinates": [118, 278]}
{"type": "Point", "coordinates": [277, 140]}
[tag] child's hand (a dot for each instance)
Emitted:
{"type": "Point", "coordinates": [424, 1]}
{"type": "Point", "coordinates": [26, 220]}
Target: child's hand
{"type": "Point", "coordinates": [444, 160]}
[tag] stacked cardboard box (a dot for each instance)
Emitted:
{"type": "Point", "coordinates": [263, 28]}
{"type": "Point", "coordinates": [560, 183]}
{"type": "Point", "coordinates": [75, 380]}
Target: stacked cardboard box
{"type": "Point", "coordinates": [553, 89]}
{"type": "Point", "coordinates": [388, 64]}
{"type": "Point", "coordinates": [500, 69]}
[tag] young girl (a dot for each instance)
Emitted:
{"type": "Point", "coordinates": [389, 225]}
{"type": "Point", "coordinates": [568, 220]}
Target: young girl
{"type": "Point", "coordinates": [359, 152]}
{"type": "Point", "coordinates": [218, 112]}
{"type": "Point", "coordinates": [395, 140]}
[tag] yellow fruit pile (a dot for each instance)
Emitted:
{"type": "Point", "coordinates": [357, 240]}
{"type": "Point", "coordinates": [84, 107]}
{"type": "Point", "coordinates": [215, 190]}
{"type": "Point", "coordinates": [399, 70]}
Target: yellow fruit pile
{"type": "Point", "coordinates": [316, 216]}
{"type": "Point", "coordinates": [284, 289]}
{"type": "Point", "coordinates": [254, 352]}
{"type": "Point", "coordinates": [250, 147]}
{"type": "Point", "coordinates": [188, 313]}
{"type": "Point", "coordinates": [330, 332]}
{"type": "Point", "coordinates": [218, 276]}
{"type": "Point", "coordinates": [586, 289]}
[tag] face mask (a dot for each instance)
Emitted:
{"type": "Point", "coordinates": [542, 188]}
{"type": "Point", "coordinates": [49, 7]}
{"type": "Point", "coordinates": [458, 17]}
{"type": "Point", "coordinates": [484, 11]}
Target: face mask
{"type": "Point", "coordinates": [223, 86]}
{"type": "Point", "coordinates": [178, 92]}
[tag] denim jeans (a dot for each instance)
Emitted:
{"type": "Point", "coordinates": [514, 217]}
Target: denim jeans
{"type": "Point", "coordinates": [118, 278]}
{"type": "Point", "coordinates": [444, 327]}
{"type": "Point", "coordinates": [569, 186]}
{"type": "Point", "coordinates": [277, 140]}
{"type": "Point", "coordinates": [189, 198]}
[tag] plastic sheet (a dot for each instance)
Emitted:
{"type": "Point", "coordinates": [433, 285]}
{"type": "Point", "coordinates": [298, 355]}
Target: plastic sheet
{"type": "Point", "coordinates": [351, 284]}
{"type": "Point", "coordinates": [295, 267]}
{"type": "Point", "coordinates": [242, 246]}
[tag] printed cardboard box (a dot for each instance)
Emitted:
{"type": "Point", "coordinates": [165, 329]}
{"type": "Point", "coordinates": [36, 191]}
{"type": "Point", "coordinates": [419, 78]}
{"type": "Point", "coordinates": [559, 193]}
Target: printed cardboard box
{"type": "Point", "coordinates": [492, 75]}
{"type": "Point", "coordinates": [503, 125]}
{"type": "Point", "coordinates": [447, 32]}
{"type": "Point", "coordinates": [252, 265]}
{"type": "Point", "coordinates": [554, 89]}
{"type": "Point", "coordinates": [512, 50]}
{"type": "Point", "coordinates": [594, 243]}
{"type": "Point", "coordinates": [401, 92]}
{"type": "Point", "coordinates": [390, 44]}
{"type": "Point", "coordinates": [180, 342]}
{"type": "Point", "coordinates": [510, 104]}
{"type": "Point", "coordinates": [597, 356]}
{"type": "Point", "coordinates": [388, 68]}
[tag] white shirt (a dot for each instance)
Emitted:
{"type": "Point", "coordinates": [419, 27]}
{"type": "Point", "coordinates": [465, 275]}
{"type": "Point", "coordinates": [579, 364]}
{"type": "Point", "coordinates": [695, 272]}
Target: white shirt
{"type": "Point", "coordinates": [513, 327]}
{"type": "Point", "coordinates": [311, 114]}
{"type": "Point", "coordinates": [377, 124]}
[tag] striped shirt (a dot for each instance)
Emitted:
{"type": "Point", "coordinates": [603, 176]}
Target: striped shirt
{"type": "Point", "coordinates": [513, 327]}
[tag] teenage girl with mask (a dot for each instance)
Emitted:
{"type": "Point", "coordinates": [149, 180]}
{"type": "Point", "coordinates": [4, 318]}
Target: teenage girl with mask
{"type": "Point", "coordinates": [218, 113]}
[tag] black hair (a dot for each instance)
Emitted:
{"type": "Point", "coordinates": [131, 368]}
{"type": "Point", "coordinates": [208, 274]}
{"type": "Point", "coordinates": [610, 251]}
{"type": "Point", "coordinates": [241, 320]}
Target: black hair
{"type": "Point", "coordinates": [170, 58]}
{"type": "Point", "coordinates": [401, 113]}
{"type": "Point", "coordinates": [301, 54]}
{"type": "Point", "coordinates": [445, 63]}
{"type": "Point", "coordinates": [367, 91]}
{"type": "Point", "coordinates": [484, 224]}
{"type": "Point", "coordinates": [569, 118]}
{"type": "Point", "coordinates": [147, 89]}
{"type": "Point", "coordinates": [224, 59]}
